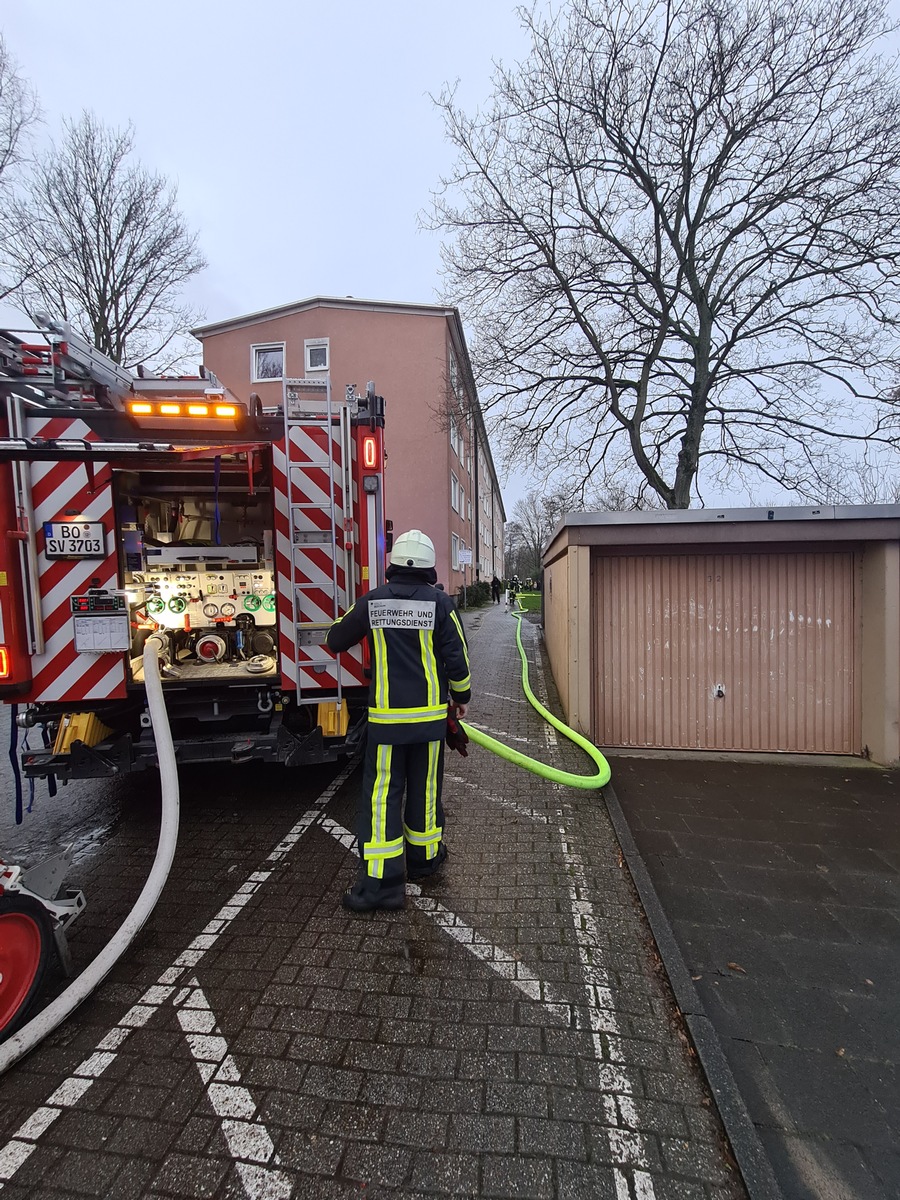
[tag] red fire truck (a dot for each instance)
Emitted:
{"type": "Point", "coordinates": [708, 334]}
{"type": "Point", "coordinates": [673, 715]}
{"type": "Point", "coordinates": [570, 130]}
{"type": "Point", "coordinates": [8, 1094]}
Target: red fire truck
{"type": "Point", "coordinates": [133, 505]}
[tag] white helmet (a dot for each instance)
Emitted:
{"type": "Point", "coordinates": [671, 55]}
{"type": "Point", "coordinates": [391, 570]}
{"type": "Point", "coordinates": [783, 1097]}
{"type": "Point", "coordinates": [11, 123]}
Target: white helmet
{"type": "Point", "coordinates": [413, 549]}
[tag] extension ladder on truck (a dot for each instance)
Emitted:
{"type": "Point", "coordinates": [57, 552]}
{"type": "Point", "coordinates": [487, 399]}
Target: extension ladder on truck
{"type": "Point", "coordinates": [319, 495]}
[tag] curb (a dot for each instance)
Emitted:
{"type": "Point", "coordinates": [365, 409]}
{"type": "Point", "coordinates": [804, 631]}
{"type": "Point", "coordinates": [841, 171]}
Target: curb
{"type": "Point", "coordinates": [753, 1163]}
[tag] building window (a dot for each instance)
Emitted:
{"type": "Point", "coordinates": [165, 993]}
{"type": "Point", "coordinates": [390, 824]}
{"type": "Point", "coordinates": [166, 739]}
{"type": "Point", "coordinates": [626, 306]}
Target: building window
{"type": "Point", "coordinates": [454, 436]}
{"type": "Point", "coordinates": [267, 362]}
{"type": "Point", "coordinates": [454, 492]}
{"type": "Point", "coordinates": [454, 552]}
{"type": "Point", "coordinates": [454, 374]}
{"type": "Point", "coordinates": [316, 354]}
{"type": "Point", "coordinates": [462, 503]}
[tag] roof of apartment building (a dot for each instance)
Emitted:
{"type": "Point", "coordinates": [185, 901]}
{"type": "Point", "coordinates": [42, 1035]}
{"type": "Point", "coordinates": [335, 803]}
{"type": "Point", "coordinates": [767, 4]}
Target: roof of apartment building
{"type": "Point", "coordinates": [382, 306]}
{"type": "Point", "coordinates": [298, 306]}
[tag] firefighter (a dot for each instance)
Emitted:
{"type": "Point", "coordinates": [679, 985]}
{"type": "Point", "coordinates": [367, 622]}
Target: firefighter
{"type": "Point", "coordinates": [419, 661]}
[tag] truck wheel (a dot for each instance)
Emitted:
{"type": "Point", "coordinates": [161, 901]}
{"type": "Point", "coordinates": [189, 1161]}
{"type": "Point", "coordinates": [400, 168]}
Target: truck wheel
{"type": "Point", "coordinates": [26, 949]}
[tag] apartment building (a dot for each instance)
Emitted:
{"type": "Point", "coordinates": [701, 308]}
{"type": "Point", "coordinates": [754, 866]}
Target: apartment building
{"type": "Point", "coordinates": [439, 472]}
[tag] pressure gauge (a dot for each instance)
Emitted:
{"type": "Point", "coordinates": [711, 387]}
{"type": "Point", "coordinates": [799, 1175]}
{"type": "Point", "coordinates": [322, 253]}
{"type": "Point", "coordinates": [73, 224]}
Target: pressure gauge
{"type": "Point", "coordinates": [177, 604]}
{"type": "Point", "coordinates": [227, 610]}
{"type": "Point", "coordinates": [210, 610]}
{"type": "Point", "coordinates": [269, 602]}
{"type": "Point", "coordinates": [252, 603]}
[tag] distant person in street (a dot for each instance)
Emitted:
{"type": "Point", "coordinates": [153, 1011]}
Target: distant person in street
{"type": "Point", "coordinates": [495, 589]}
{"type": "Point", "coordinates": [420, 667]}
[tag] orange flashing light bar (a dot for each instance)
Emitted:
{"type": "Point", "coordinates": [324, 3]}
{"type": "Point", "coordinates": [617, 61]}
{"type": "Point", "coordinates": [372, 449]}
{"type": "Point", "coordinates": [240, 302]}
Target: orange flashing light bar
{"type": "Point", "coordinates": [4, 662]}
{"type": "Point", "coordinates": [171, 408]}
{"type": "Point", "coordinates": [370, 452]}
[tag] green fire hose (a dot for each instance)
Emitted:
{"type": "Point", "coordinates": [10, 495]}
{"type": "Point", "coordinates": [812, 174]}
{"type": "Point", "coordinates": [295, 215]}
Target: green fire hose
{"type": "Point", "coordinates": [531, 764]}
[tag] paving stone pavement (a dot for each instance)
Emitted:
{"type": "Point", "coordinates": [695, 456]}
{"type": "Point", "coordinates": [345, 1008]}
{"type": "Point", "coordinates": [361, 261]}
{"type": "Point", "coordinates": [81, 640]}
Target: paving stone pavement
{"type": "Point", "coordinates": [781, 879]}
{"type": "Point", "coordinates": [509, 1035]}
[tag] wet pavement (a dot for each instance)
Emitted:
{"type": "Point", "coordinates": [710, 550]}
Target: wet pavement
{"type": "Point", "coordinates": [511, 1034]}
{"type": "Point", "coordinates": [781, 881]}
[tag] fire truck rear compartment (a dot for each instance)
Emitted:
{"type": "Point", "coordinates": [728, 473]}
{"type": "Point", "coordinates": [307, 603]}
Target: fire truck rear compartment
{"type": "Point", "coordinates": [196, 560]}
{"type": "Point", "coordinates": [196, 563]}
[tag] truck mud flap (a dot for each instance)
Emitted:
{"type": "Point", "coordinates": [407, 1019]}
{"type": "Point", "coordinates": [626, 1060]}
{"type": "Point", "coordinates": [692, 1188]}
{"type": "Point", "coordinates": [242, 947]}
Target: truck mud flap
{"type": "Point", "coordinates": [296, 751]}
{"type": "Point", "coordinates": [82, 762]}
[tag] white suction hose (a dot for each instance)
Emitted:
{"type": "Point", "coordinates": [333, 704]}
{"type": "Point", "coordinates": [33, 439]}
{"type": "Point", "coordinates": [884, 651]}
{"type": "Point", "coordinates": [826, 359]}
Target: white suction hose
{"type": "Point", "coordinates": [19, 1044]}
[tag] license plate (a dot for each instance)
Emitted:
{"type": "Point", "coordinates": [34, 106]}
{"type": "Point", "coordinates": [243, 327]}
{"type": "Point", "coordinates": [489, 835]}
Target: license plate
{"type": "Point", "coordinates": [75, 539]}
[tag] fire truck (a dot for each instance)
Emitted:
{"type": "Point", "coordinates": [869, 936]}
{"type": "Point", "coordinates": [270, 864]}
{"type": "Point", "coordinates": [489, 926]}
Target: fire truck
{"type": "Point", "coordinates": [133, 506]}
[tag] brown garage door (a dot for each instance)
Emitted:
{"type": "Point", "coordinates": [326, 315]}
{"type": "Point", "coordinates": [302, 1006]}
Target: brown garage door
{"type": "Point", "coordinates": [727, 652]}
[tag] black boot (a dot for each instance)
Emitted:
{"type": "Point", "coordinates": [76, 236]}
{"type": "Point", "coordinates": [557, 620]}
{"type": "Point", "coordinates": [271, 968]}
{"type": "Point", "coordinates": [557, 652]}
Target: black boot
{"type": "Point", "coordinates": [365, 897]}
{"type": "Point", "coordinates": [430, 867]}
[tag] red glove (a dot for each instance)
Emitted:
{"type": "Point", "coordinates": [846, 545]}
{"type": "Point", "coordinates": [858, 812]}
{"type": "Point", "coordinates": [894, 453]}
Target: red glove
{"type": "Point", "coordinates": [457, 738]}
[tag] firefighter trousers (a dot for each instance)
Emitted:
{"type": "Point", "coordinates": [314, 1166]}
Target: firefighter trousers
{"type": "Point", "coordinates": [391, 831]}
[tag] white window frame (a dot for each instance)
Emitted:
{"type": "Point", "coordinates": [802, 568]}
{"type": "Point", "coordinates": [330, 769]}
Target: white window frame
{"type": "Point", "coordinates": [310, 344]}
{"type": "Point", "coordinates": [254, 350]}
{"type": "Point", "coordinates": [454, 492]}
{"type": "Point", "coordinates": [454, 435]}
{"type": "Point", "coordinates": [462, 503]}
{"type": "Point", "coordinates": [454, 552]}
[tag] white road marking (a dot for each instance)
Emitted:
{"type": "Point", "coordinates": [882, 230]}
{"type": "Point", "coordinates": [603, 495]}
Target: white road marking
{"type": "Point", "coordinates": [24, 1141]}
{"type": "Point", "coordinates": [500, 961]}
{"type": "Point", "coordinates": [533, 814]}
{"type": "Point", "coordinates": [247, 1138]}
{"type": "Point", "coordinates": [498, 733]}
{"type": "Point", "coordinates": [625, 1142]}
{"type": "Point", "coordinates": [505, 699]}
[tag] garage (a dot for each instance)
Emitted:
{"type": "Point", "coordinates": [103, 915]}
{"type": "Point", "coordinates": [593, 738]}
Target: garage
{"type": "Point", "coordinates": [773, 630]}
{"type": "Point", "coordinates": [727, 652]}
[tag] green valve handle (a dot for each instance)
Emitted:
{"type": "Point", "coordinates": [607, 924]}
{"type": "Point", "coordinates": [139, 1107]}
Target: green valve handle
{"type": "Point", "coordinates": [531, 764]}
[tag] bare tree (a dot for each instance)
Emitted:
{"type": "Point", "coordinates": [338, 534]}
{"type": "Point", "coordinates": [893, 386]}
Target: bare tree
{"type": "Point", "coordinates": [19, 113]}
{"type": "Point", "coordinates": [114, 251]}
{"type": "Point", "coordinates": [534, 519]}
{"type": "Point", "coordinates": [676, 231]}
{"type": "Point", "coordinates": [616, 496]}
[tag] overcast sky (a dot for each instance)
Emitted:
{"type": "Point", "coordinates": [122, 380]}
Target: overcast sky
{"type": "Point", "coordinates": [301, 135]}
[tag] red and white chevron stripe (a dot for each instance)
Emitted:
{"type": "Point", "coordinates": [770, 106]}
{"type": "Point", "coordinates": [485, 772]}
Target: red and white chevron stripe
{"type": "Point", "coordinates": [305, 572]}
{"type": "Point", "coordinates": [58, 489]}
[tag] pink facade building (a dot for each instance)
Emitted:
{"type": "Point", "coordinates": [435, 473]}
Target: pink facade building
{"type": "Point", "coordinates": [439, 473]}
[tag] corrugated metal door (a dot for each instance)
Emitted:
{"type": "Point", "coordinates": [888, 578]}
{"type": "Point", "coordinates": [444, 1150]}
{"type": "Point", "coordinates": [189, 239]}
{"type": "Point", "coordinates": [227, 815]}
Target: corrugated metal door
{"type": "Point", "coordinates": [727, 652]}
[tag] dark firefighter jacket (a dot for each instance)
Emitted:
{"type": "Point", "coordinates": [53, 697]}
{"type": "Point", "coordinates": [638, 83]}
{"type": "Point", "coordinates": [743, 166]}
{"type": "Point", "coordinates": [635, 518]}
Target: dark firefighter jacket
{"type": "Point", "coordinates": [418, 654]}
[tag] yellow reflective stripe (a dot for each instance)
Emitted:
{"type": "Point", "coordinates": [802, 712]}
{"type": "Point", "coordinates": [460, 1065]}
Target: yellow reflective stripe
{"type": "Point", "coordinates": [429, 665]}
{"type": "Point", "coordinates": [374, 865]}
{"type": "Point", "coordinates": [390, 849]}
{"type": "Point", "coordinates": [461, 685]}
{"type": "Point", "coordinates": [462, 637]}
{"type": "Point", "coordinates": [431, 792]}
{"type": "Point", "coordinates": [423, 839]}
{"type": "Point", "coordinates": [379, 645]}
{"type": "Point", "coordinates": [407, 716]}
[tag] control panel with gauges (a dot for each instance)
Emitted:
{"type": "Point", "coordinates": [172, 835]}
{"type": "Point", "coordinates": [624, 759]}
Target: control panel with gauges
{"type": "Point", "coordinates": [192, 599]}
